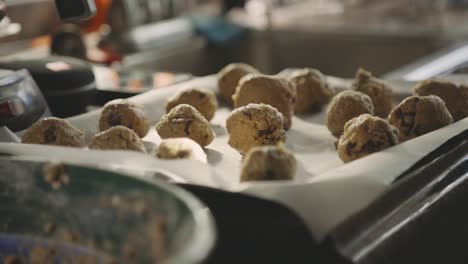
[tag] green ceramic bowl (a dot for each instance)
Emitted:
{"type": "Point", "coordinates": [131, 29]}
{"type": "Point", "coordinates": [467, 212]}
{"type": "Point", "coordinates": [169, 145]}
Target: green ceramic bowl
{"type": "Point", "coordinates": [129, 219]}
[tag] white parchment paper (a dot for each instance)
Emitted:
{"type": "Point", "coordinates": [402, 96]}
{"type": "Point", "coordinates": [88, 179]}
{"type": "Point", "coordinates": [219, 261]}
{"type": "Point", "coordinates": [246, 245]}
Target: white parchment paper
{"type": "Point", "coordinates": [325, 191]}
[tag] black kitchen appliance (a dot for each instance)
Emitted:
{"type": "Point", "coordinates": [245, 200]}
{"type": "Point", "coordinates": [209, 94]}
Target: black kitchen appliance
{"type": "Point", "coordinates": [21, 102]}
{"type": "Point", "coordinates": [68, 84]}
{"type": "Point", "coordinates": [75, 9]}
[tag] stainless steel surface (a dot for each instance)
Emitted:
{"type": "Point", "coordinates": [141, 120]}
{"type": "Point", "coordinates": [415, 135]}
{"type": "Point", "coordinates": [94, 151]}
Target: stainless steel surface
{"type": "Point", "coordinates": [451, 60]}
{"type": "Point", "coordinates": [338, 54]}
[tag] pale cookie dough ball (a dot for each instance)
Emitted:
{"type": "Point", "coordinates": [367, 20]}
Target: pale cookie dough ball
{"type": "Point", "coordinates": [229, 77]}
{"type": "Point", "coordinates": [271, 90]}
{"type": "Point", "coordinates": [53, 131]}
{"type": "Point", "coordinates": [185, 121]}
{"type": "Point", "coordinates": [255, 125]}
{"type": "Point", "coordinates": [455, 98]}
{"type": "Point", "coordinates": [203, 100]}
{"type": "Point", "coordinates": [117, 138]}
{"type": "Point", "coordinates": [268, 163]}
{"type": "Point", "coordinates": [365, 135]}
{"type": "Point", "coordinates": [180, 148]}
{"type": "Point", "coordinates": [418, 115]}
{"type": "Point", "coordinates": [346, 106]}
{"type": "Point", "coordinates": [377, 90]}
{"type": "Point", "coordinates": [122, 113]}
{"type": "Point", "coordinates": [312, 90]}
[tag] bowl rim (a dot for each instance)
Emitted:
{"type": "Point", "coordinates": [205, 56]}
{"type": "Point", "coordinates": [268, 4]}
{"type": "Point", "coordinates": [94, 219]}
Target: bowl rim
{"type": "Point", "coordinates": [199, 245]}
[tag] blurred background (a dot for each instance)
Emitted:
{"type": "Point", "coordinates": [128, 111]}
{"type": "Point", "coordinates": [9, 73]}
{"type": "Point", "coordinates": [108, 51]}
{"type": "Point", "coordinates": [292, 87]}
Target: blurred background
{"type": "Point", "coordinates": [136, 45]}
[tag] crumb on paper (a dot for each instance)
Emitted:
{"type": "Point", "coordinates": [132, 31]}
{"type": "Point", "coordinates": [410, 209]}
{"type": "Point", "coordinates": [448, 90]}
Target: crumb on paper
{"type": "Point", "coordinates": [55, 175]}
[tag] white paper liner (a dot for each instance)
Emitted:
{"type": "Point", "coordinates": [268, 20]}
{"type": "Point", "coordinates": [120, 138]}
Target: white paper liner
{"type": "Point", "coordinates": [325, 191]}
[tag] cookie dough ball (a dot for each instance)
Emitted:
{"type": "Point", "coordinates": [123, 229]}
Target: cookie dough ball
{"type": "Point", "coordinates": [203, 100]}
{"type": "Point", "coordinates": [418, 115]}
{"type": "Point", "coordinates": [271, 90]}
{"type": "Point", "coordinates": [455, 98]}
{"type": "Point", "coordinates": [122, 113]}
{"type": "Point", "coordinates": [185, 121]}
{"type": "Point", "coordinates": [255, 125]}
{"type": "Point", "coordinates": [53, 131]}
{"type": "Point", "coordinates": [268, 163]}
{"type": "Point", "coordinates": [377, 90]}
{"type": "Point", "coordinates": [312, 90]}
{"type": "Point", "coordinates": [346, 106]}
{"type": "Point", "coordinates": [117, 138]}
{"type": "Point", "coordinates": [180, 148]}
{"type": "Point", "coordinates": [365, 135]}
{"type": "Point", "coordinates": [229, 77]}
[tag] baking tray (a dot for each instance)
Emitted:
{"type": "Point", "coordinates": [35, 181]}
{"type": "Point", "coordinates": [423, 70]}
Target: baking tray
{"type": "Point", "coordinates": [334, 247]}
{"type": "Point", "coordinates": [421, 218]}
{"type": "Point", "coordinates": [393, 229]}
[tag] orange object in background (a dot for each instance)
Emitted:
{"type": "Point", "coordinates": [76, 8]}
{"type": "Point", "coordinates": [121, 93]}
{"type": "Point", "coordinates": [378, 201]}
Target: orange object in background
{"type": "Point", "coordinates": [102, 7]}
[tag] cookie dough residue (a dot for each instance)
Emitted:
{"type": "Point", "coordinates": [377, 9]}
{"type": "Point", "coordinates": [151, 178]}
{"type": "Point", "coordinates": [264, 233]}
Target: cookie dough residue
{"type": "Point", "coordinates": [55, 175]}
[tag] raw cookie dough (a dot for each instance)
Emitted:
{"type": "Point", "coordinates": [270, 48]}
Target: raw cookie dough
{"type": "Point", "coordinates": [365, 135]}
{"type": "Point", "coordinates": [229, 77]}
{"type": "Point", "coordinates": [377, 90]}
{"type": "Point", "coordinates": [185, 121]}
{"type": "Point", "coordinates": [271, 90]}
{"type": "Point", "coordinates": [255, 125]}
{"type": "Point", "coordinates": [180, 148]}
{"type": "Point", "coordinates": [203, 100]}
{"type": "Point", "coordinates": [117, 138]}
{"type": "Point", "coordinates": [312, 90]}
{"type": "Point", "coordinates": [53, 131]}
{"type": "Point", "coordinates": [418, 115]}
{"type": "Point", "coordinates": [346, 106]}
{"type": "Point", "coordinates": [120, 112]}
{"type": "Point", "coordinates": [268, 163]}
{"type": "Point", "coordinates": [455, 98]}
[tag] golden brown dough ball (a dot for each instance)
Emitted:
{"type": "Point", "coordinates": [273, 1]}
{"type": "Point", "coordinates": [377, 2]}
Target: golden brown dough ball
{"type": "Point", "coordinates": [185, 121]}
{"type": "Point", "coordinates": [377, 90]}
{"type": "Point", "coordinates": [120, 112]}
{"type": "Point", "coordinates": [229, 77]}
{"type": "Point", "coordinates": [268, 163]}
{"type": "Point", "coordinates": [364, 135]}
{"type": "Point", "coordinates": [180, 148]}
{"type": "Point", "coordinates": [271, 90]}
{"type": "Point", "coordinates": [117, 138]}
{"type": "Point", "coordinates": [312, 90]}
{"type": "Point", "coordinates": [418, 115]}
{"type": "Point", "coordinates": [203, 100]}
{"type": "Point", "coordinates": [346, 106]}
{"type": "Point", "coordinates": [254, 125]}
{"type": "Point", "coordinates": [53, 131]}
{"type": "Point", "coordinates": [455, 97]}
